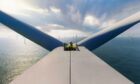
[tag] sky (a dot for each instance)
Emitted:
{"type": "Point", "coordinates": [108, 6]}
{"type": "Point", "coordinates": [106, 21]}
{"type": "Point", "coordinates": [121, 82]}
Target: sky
{"type": "Point", "coordinates": [66, 18]}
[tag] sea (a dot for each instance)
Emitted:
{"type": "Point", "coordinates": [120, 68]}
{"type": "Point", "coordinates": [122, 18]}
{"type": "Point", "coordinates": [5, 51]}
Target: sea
{"type": "Point", "coordinates": [17, 55]}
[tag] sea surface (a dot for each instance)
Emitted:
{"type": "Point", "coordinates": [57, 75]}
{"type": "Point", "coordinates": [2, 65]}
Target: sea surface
{"type": "Point", "coordinates": [124, 55]}
{"type": "Point", "coordinates": [17, 55]}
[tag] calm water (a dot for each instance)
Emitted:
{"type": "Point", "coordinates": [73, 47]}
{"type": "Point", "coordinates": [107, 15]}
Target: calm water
{"type": "Point", "coordinates": [17, 55]}
{"type": "Point", "coordinates": [124, 56]}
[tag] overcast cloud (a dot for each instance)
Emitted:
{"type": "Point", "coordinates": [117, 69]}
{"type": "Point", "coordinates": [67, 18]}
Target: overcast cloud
{"type": "Point", "coordinates": [85, 16]}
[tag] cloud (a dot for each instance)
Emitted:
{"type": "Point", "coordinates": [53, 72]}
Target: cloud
{"type": "Point", "coordinates": [49, 27]}
{"type": "Point", "coordinates": [83, 15]}
{"type": "Point", "coordinates": [57, 30]}
{"type": "Point", "coordinates": [91, 20]}
{"type": "Point", "coordinates": [108, 23]}
{"type": "Point", "coordinates": [55, 10]}
{"type": "Point", "coordinates": [67, 33]}
{"type": "Point", "coordinates": [14, 8]}
{"type": "Point", "coordinates": [73, 14]}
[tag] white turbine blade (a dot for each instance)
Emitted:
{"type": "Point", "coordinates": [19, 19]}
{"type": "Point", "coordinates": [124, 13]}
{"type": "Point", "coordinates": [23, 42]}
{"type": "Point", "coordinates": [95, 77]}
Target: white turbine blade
{"type": "Point", "coordinates": [101, 37]}
{"type": "Point", "coordinates": [71, 67]}
{"type": "Point", "coordinates": [29, 32]}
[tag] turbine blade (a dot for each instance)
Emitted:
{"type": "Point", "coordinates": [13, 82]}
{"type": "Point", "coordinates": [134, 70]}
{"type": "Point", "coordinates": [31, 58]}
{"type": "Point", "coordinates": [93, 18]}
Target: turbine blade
{"type": "Point", "coordinates": [30, 32]}
{"type": "Point", "coordinates": [101, 37]}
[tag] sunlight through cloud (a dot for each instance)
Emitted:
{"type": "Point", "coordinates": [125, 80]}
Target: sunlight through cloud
{"type": "Point", "coordinates": [91, 20]}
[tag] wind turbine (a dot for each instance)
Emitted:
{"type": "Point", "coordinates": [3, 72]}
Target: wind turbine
{"type": "Point", "coordinates": [70, 67]}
